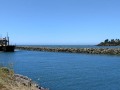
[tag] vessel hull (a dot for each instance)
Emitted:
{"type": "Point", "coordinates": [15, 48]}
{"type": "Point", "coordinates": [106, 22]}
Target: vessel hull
{"type": "Point", "coordinates": [9, 48]}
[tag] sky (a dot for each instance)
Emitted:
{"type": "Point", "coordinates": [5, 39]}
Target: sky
{"type": "Point", "coordinates": [59, 22]}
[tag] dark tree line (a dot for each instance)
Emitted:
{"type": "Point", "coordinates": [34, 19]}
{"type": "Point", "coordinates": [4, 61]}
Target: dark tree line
{"type": "Point", "coordinates": [112, 42]}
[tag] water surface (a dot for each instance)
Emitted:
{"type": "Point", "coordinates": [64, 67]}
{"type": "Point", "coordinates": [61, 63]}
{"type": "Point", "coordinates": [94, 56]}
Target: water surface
{"type": "Point", "coordinates": [67, 71]}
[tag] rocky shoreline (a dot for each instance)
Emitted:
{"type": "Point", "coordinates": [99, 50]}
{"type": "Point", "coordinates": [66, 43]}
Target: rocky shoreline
{"type": "Point", "coordinates": [11, 81]}
{"type": "Point", "coordinates": [110, 51]}
{"type": "Point", "coordinates": [27, 82]}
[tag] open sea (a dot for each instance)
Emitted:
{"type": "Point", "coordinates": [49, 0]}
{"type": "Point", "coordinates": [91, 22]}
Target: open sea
{"type": "Point", "coordinates": [67, 71]}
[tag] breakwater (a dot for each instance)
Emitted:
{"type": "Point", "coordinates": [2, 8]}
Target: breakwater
{"type": "Point", "coordinates": [110, 51]}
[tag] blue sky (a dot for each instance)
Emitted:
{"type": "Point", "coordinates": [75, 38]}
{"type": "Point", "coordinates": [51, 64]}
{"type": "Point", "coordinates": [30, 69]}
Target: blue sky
{"type": "Point", "coordinates": [60, 21]}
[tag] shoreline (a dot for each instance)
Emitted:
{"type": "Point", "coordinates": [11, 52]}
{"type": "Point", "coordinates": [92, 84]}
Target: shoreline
{"type": "Point", "coordinates": [27, 82]}
{"type": "Point", "coordinates": [109, 51]}
{"type": "Point", "coordinates": [11, 81]}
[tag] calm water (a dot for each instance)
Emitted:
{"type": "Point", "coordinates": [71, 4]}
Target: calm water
{"type": "Point", "coordinates": [67, 71]}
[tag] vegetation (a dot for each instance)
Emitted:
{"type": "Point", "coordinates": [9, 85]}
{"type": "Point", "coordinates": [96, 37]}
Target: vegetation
{"type": "Point", "coordinates": [112, 42]}
{"type": "Point", "coordinates": [8, 82]}
{"type": "Point", "coordinates": [5, 77]}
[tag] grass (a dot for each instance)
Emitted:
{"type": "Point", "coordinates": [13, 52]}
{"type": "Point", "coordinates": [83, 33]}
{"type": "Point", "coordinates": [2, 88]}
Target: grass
{"type": "Point", "coordinates": [6, 76]}
{"type": "Point", "coordinates": [7, 81]}
{"type": "Point", "coordinates": [1, 86]}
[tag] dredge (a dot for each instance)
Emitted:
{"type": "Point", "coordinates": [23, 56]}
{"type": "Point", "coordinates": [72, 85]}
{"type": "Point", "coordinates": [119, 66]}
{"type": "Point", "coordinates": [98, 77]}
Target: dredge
{"type": "Point", "coordinates": [4, 45]}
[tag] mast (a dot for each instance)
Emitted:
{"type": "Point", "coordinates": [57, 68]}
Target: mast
{"type": "Point", "coordinates": [7, 39]}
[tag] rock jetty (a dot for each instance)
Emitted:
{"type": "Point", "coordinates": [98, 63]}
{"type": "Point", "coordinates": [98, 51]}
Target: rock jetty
{"type": "Point", "coordinates": [110, 51]}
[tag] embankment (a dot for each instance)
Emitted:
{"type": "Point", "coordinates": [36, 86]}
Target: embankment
{"type": "Point", "coordinates": [11, 81]}
{"type": "Point", "coordinates": [110, 51]}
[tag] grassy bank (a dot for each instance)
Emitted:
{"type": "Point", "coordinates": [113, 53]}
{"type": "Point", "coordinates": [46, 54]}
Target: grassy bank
{"type": "Point", "coordinates": [8, 81]}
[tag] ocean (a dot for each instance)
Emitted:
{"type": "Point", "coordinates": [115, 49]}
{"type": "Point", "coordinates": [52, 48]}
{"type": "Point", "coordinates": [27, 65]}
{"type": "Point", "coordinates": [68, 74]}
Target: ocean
{"type": "Point", "coordinates": [66, 71]}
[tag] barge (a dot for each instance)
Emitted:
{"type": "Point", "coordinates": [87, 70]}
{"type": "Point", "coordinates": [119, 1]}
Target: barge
{"type": "Point", "coordinates": [4, 45]}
